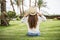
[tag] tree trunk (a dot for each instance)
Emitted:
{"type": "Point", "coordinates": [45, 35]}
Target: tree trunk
{"type": "Point", "coordinates": [35, 2]}
{"type": "Point", "coordinates": [22, 8]}
{"type": "Point", "coordinates": [12, 5]}
{"type": "Point", "coordinates": [4, 21]}
{"type": "Point", "coordinates": [30, 3]}
{"type": "Point", "coordinates": [39, 9]}
{"type": "Point", "coordinates": [22, 12]}
{"type": "Point", "coordinates": [18, 6]}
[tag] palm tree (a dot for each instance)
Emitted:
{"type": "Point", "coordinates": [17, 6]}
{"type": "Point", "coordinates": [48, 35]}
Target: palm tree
{"type": "Point", "coordinates": [12, 5]}
{"type": "Point", "coordinates": [29, 3]}
{"type": "Point", "coordinates": [0, 12]}
{"type": "Point", "coordinates": [35, 2]}
{"type": "Point", "coordinates": [22, 6]}
{"type": "Point", "coordinates": [18, 2]}
{"type": "Point", "coordinates": [0, 1]}
{"type": "Point", "coordinates": [4, 21]}
{"type": "Point", "coordinates": [41, 3]}
{"type": "Point", "coordinates": [0, 5]}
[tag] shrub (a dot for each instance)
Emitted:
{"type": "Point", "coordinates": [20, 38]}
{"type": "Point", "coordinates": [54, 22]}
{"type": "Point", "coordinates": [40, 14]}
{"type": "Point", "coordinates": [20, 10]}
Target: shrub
{"type": "Point", "coordinates": [18, 18]}
{"type": "Point", "coordinates": [11, 14]}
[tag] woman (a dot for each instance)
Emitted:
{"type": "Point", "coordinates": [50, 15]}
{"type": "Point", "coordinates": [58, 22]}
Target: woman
{"type": "Point", "coordinates": [33, 19]}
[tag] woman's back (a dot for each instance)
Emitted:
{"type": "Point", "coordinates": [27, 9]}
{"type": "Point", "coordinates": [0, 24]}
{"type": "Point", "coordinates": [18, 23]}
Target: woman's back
{"type": "Point", "coordinates": [32, 21]}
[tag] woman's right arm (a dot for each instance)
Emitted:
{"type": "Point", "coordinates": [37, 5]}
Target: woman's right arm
{"type": "Point", "coordinates": [23, 20]}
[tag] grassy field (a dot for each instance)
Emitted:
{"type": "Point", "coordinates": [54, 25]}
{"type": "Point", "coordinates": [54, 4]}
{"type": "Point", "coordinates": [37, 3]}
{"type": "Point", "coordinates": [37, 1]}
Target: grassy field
{"type": "Point", "coordinates": [50, 30]}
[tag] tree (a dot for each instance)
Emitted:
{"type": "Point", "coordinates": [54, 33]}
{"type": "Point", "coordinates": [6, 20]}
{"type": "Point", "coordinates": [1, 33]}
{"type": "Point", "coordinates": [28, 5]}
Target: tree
{"type": "Point", "coordinates": [11, 14]}
{"type": "Point", "coordinates": [35, 2]}
{"type": "Point", "coordinates": [0, 1]}
{"type": "Point", "coordinates": [18, 2]}
{"type": "Point", "coordinates": [29, 3]}
{"type": "Point", "coordinates": [0, 12]}
{"type": "Point", "coordinates": [4, 21]}
{"type": "Point", "coordinates": [22, 6]}
{"type": "Point", "coordinates": [12, 5]}
{"type": "Point", "coordinates": [41, 3]}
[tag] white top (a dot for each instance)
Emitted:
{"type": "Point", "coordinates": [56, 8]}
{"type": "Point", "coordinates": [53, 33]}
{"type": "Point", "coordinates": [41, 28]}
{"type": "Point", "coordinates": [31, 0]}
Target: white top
{"type": "Point", "coordinates": [34, 30]}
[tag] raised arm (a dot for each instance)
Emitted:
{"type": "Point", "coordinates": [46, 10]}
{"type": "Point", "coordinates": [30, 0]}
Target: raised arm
{"type": "Point", "coordinates": [24, 19]}
{"type": "Point", "coordinates": [39, 14]}
{"type": "Point", "coordinates": [25, 15]}
{"type": "Point", "coordinates": [43, 18]}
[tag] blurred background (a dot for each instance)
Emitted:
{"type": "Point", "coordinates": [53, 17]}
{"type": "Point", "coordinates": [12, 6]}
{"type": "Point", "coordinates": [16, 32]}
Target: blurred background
{"type": "Point", "coordinates": [11, 12]}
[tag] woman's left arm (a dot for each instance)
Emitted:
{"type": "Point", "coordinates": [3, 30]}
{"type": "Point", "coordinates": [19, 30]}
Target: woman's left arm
{"type": "Point", "coordinates": [43, 18]}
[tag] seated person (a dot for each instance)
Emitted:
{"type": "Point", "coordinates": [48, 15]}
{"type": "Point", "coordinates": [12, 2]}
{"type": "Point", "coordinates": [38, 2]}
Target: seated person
{"type": "Point", "coordinates": [33, 20]}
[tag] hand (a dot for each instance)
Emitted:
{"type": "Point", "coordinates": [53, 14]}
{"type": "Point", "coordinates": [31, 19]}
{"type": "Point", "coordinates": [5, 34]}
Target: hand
{"type": "Point", "coordinates": [39, 14]}
{"type": "Point", "coordinates": [26, 15]}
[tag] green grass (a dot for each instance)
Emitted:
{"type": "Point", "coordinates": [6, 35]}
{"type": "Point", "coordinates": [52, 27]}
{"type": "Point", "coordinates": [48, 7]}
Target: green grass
{"type": "Point", "coordinates": [50, 30]}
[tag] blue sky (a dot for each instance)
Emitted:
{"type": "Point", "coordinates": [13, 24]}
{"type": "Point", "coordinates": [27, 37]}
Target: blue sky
{"type": "Point", "coordinates": [53, 6]}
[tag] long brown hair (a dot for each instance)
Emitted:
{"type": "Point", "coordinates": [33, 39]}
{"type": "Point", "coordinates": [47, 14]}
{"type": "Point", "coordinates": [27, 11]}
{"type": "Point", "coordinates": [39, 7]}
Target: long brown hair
{"type": "Point", "coordinates": [32, 21]}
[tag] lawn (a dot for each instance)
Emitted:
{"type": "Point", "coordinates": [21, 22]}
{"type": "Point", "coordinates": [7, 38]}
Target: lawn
{"type": "Point", "coordinates": [50, 30]}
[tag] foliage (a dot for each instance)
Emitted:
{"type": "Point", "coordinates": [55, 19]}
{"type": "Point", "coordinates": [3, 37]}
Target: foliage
{"type": "Point", "coordinates": [18, 18]}
{"type": "Point", "coordinates": [11, 14]}
{"type": "Point", "coordinates": [41, 3]}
